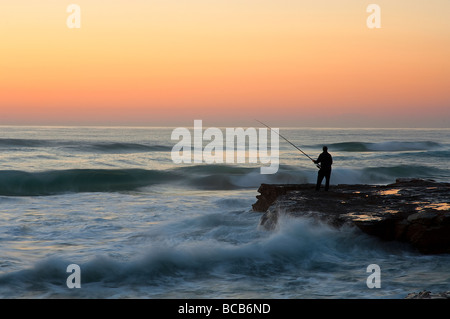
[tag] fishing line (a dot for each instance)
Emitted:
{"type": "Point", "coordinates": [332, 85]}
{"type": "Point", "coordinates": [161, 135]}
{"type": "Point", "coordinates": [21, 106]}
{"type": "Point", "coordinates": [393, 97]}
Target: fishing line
{"type": "Point", "coordinates": [289, 142]}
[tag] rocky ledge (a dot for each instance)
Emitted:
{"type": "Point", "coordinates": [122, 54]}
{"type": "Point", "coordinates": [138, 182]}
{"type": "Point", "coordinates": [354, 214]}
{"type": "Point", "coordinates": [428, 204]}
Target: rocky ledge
{"type": "Point", "coordinates": [416, 211]}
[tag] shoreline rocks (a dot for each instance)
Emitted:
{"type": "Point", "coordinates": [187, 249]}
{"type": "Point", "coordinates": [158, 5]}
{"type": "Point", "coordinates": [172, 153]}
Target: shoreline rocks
{"type": "Point", "coordinates": [415, 211]}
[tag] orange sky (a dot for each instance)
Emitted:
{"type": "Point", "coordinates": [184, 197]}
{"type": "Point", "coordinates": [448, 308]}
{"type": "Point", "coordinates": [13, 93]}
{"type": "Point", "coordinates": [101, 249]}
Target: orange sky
{"type": "Point", "coordinates": [306, 63]}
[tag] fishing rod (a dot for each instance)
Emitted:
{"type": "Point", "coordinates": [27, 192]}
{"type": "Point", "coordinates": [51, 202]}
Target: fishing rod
{"type": "Point", "coordinates": [288, 142]}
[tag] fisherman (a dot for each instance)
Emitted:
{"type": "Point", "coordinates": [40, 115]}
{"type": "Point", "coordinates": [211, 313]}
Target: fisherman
{"type": "Point", "coordinates": [325, 160]}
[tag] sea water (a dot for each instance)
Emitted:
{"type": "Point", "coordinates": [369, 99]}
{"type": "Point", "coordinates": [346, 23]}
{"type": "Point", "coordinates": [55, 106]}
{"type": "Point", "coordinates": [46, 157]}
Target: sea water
{"type": "Point", "coordinates": [112, 201]}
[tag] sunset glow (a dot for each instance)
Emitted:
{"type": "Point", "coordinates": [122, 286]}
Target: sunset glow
{"type": "Point", "coordinates": [168, 62]}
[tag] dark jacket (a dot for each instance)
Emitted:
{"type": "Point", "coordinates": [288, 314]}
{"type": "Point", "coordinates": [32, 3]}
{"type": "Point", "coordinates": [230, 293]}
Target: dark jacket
{"type": "Point", "coordinates": [325, 160]}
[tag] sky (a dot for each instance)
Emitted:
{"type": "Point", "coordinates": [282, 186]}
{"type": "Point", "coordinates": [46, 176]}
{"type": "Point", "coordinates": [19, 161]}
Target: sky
{"type": "Point", "coordinates": [168, 62]}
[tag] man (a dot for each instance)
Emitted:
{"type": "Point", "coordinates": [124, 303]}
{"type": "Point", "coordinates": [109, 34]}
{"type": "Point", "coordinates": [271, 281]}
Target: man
{"type": "Point", "coordinates": [325, 160]}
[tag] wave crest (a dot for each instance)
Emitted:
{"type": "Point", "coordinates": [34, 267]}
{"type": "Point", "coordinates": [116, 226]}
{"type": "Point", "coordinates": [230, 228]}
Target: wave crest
{"type": "Point", "coordinates": [84, 146]}
{"type": "Point", "coordinates": [20, 183]}
{"type": "Point", "coordinates": [202, 177]}
{"type": "Point", "coordinates": [392, 146]}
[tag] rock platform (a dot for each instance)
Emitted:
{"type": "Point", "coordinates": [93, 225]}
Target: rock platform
{"type": "Point", "coordinates": [415, 211]}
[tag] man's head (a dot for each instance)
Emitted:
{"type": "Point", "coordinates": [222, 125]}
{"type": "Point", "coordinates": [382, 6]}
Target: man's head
{"type": "Point", "coordinates": [325, 149]}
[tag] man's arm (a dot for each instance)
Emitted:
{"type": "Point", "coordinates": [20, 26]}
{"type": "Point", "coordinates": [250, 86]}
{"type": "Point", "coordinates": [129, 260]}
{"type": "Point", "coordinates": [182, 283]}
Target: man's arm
{"type": "Point", "coordinates": [319, 159]}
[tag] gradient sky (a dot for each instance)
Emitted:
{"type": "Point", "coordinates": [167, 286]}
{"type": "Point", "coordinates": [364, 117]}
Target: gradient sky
{"type": "Point", "coordinates": [227, 62]}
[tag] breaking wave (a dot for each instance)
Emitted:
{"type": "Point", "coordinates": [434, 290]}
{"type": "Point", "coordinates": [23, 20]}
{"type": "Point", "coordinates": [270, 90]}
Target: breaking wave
{"type": "Point", "coordinates": [127, 147]}
{"type": "Point", "coordinates": [297, 246]}
{"type": "Point", "coordinates": [83, 146]}
{"type": "Point", "coordinates": [392, 146]}
{"type": "Point", "coordinates": [383, 175]}
{"type": "Point", "coordinates": [20, 183]}
{"type": "Point", "coordinates": [206, 177]}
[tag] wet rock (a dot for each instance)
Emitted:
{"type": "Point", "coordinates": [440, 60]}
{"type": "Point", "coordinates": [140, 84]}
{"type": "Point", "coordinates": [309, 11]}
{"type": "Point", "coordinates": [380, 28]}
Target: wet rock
{"type": "Point", "coordinates": [410, 210]}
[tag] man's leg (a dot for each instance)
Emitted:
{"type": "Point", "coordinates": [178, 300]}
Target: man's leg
{"type": "Point", "coordinates": [327, 180]}
{"type": "Point", "coordinates": [320, 177]}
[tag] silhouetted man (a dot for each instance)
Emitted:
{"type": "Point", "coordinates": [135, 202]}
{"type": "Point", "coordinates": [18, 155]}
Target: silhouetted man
{"type": "Point", "coordinates": [325, 160]}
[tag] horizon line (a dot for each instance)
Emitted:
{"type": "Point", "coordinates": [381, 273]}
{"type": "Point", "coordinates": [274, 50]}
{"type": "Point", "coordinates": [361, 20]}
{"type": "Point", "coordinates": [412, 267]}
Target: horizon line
{"type": "Point", "coordinates": [221, 126]}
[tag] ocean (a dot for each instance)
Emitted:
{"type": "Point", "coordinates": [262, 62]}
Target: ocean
{"type": "Point", "coordinates": [112, 201]}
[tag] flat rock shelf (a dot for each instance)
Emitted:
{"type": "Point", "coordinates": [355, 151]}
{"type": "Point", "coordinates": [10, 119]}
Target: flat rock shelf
{"type": "Point", "coordinates": [415, 211]}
